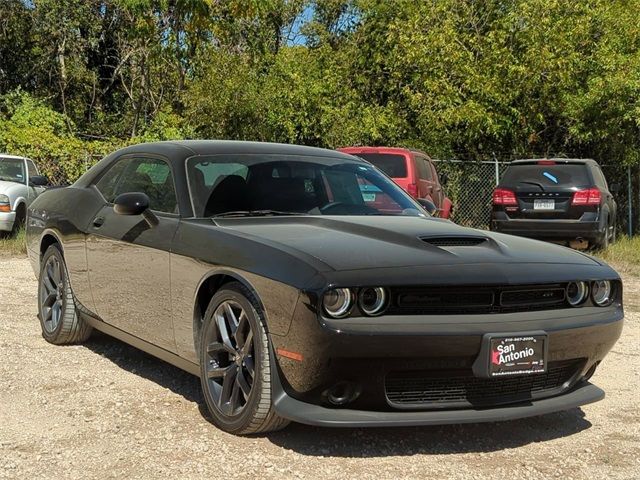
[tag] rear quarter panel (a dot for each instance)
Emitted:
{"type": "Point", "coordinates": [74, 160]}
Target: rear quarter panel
{"type": "Point", "coordinates": [64, 213]}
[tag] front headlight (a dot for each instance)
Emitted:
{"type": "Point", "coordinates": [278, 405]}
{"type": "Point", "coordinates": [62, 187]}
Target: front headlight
{"type": "Point", "coordinates": [577, 293]}
{"type": "Point", "coordinates": [338, 302]}
{"type": "Point", "coordinates": [601, 293]}
{"type": "Point", "coordinates": [4, 198]}
{"type": "Point", "coordinates": [372, 300]}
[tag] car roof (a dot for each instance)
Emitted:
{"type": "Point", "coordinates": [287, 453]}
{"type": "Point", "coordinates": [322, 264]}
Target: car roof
{"type": "Point", "coordinates": [381, 150]}
{"type": "Point", "coordinates": [12, 157]}
{"type": "Point", "coordinates": [566, 161]}
{"type": "Point", "coordinates": [181, 149]}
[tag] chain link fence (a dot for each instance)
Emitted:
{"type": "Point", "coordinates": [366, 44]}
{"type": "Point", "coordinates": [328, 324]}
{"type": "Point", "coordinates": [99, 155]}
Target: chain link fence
{"type": "Point", "coordinates": [470, 186]}
{"type": "Point", "coordinates": [471, 183]}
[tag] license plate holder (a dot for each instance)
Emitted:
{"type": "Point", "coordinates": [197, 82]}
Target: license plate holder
{"type": "Point", "coordinates": [544, 204]}
{"type": "Point", "coordinates": [511, 354]}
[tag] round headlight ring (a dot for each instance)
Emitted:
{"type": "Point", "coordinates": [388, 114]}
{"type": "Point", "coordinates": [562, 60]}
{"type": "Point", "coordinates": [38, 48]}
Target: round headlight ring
{"type": "Point", "coordinates": [602, 293]}
{"type": "Point", "coordinates": [373, 300]}
{"type": "Point", "coordinates": [577, 293]}
{"type": "Point", "coordinates": [337, 302]}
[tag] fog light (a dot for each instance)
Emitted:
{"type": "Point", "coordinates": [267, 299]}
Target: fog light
{"type": "Point", "coordinates": [373, 301]}
{"type": "Point", "coordinates": [601, 293]}
{"type": "Point", "coordinates": [338, 302]}
{"type": "Point", "coordinates": [577, 293]}
{"type": "Point", "coordinates": [342, 393]}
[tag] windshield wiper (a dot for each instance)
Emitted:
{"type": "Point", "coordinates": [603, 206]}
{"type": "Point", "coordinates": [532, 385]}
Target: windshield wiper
{"type": "Point", "coordinates": [534, 183]}
{"type": "Point", "coordinates": [9, 179]}
{"type": "Point", "coordinates": [256, 213]}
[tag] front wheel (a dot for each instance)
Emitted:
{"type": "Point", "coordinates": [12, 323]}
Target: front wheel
{"type": "Point", "coordinates": [59, 318]}
{"type": "Point", "coordinates": [235, 367]}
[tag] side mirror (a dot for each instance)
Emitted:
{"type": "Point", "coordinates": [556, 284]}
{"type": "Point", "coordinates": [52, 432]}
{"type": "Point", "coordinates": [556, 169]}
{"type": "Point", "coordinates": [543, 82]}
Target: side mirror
{"type": "Point", "coordinates": [444, 178]}
{"type": "Point", "coordinates": [428, 205]}
{"type": "Point", "coordinates": [134, 203]}
{"type": "Point", "coordinates": [615, 188]}
{"type": "Point", "coordinates": [38, 181]}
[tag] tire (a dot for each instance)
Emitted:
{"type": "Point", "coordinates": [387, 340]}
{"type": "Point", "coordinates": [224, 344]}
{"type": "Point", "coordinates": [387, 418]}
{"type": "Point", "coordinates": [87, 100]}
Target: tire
{"type": "Point", "coordinates": [235, 366]}
{"type": "Point", "coordinates": [59, 319]}
{"type": "Point", "coordinates": [612, 238]}
{"type": "Point", "coordinates": [602, 240]}
{"type": "Point", "coordinates": [21, 217]}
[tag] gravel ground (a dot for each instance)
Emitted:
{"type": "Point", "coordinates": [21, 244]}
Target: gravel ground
{"type": "Point", "coordinates": [108, 410]}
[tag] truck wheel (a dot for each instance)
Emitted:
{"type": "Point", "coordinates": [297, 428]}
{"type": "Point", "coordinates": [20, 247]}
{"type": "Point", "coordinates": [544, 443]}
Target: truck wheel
{"type": "Point", "coordinates": [21, 216]}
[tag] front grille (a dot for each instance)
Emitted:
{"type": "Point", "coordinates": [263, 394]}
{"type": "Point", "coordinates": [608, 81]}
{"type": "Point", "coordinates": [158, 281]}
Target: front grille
{"type": "Point", "coordinates": [454, 241]}
{"type": "Point", "coordinates": [541, 296]}
{"type": "Point", "coordinates": [459, 388]}
{"type": "Point", "coordinates": [474, 299]}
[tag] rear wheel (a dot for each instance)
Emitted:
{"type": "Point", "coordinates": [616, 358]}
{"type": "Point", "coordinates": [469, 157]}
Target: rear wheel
{"type": "Point", "coordinates": [602, 241]}
{"type": "Point", "coordinates": [612, 237]}
{"type": "Point", "coordinates": [59, 318]}
{"type": "Point", "coordinates": [235, 367]}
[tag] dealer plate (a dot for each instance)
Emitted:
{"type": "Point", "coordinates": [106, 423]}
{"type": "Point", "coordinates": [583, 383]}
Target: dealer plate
{"type": "Point", "coordinates": [544, 204]}
{"type": "Point", "coordinates": [517, 355]}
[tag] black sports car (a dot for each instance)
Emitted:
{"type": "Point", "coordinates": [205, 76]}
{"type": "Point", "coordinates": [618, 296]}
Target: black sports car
{"type": "Point", "coordinates": [302, 284]}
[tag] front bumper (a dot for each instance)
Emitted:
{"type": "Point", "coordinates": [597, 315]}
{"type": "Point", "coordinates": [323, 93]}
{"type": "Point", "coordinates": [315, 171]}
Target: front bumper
{"type": "Point", "coordinates": [6, 221]}
{"type": "Point", "coordinates": [301, 412]}
{"type": "Point", "coordinates": [364, 352]}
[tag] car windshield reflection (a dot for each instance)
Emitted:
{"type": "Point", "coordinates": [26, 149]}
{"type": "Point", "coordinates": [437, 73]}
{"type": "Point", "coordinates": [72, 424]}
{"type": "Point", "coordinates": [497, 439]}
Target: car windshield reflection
{"type": "Point", "coordinates": [270, 185]}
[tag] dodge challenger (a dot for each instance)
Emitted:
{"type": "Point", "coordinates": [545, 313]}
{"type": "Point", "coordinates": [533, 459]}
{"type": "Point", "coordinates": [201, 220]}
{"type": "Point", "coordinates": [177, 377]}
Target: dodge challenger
{"type": "Point", "coordinates": [301, 284]}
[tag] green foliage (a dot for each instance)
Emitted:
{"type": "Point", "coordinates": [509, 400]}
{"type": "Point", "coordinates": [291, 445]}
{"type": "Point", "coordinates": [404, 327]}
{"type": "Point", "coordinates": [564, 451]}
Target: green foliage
{"type": "Point", "coordinates": [457, 79]}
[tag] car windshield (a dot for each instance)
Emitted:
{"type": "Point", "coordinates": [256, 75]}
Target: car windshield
{"type": "Point", "coordinates": [558, 175]}
{"type": "Point", "coordinates": [252, 185]}
{"type": "Point", "coordinates": [393, 165]}
{"type": "Point", "coordinates": [12, 170]}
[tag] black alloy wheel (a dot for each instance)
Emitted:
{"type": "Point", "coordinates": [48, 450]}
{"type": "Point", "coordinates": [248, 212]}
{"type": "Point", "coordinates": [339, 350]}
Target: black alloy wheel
{"type": "Point", "coordinates": [235, 365]}
{"type": "Point", "coordinates": [59, 318]}
{"type": "Point", "coordinates": [230, 366]}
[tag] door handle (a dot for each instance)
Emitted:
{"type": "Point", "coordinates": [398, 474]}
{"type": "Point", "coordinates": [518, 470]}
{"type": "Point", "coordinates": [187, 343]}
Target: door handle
{"type": "Point", "coordinates": [98, 222]}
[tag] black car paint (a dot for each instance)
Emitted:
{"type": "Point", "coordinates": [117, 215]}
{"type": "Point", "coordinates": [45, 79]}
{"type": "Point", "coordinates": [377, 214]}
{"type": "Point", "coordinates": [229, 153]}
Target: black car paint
{"type": "Point", "coordinates": [567, 221]}
{"type": "Point", "coordinates": [152, 284]}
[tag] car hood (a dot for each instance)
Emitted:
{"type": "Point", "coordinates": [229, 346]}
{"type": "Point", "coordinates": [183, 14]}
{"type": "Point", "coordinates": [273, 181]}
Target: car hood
{"type": "Point", "coordinates": [364, 242]}
{"type": "Point", "coordinates": [10, 187]}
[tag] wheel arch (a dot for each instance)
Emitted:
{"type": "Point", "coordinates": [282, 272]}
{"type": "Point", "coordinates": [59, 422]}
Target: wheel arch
{"type": "Point", "coordinates": [48, 238]}
{"type": "Point", "coordinates": [208, 287]}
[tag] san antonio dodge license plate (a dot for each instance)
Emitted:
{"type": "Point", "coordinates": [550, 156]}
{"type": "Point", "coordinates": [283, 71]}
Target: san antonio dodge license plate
{"type": "Point", "coordinates": [517, 355]}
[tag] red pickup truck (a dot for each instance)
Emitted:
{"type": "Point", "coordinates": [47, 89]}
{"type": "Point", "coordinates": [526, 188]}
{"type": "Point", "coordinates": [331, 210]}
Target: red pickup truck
{"type": "Point", "coordinates": [413, 170]}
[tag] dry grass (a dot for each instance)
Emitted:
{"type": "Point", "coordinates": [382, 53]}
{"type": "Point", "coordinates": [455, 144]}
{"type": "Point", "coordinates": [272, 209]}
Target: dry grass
{"type": "Point", "coordinates": [624, 255]}
{"type": "Point", "coordinates": [14, 245]}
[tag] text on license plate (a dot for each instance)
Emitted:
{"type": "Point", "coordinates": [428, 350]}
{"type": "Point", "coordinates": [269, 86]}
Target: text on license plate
{"type": "Point", "coordinates": [544, 204]}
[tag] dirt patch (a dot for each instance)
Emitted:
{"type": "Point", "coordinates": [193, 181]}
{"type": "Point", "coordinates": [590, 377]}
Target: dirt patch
{"type": "Point", "coordinates": [107, 410]}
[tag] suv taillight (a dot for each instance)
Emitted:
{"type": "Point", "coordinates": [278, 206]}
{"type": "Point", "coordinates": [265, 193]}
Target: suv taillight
{"type": "Point", "coordinates": [502, 196]}
{"type": "Point", "coordinates": [591, 196]}
{"type": "Point", "coordinates": [412, 189]}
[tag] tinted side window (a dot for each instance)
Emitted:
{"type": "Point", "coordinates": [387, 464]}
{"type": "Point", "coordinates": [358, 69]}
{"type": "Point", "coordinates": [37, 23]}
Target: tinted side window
{"type": "Point", "coordinates": [423, 169]}
{"type": "Point", "coordinates": [108, 181]}
{"type": "Point", "coordinates": [599, 178]}
{"type": "Point", "coordinates": [31, 168]}
{"type": "Point", "coordinates": [150, 176]}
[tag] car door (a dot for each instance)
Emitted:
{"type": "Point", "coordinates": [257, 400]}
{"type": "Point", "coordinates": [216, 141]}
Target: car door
{"type": "Point", "coordinates": [33, 191]}
{"type": "Point", "coordinates": [129, 260]}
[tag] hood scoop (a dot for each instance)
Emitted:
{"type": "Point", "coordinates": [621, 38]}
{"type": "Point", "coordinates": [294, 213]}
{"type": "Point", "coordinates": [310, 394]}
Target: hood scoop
{"type": "Point", "coordinates": [454, 241]}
